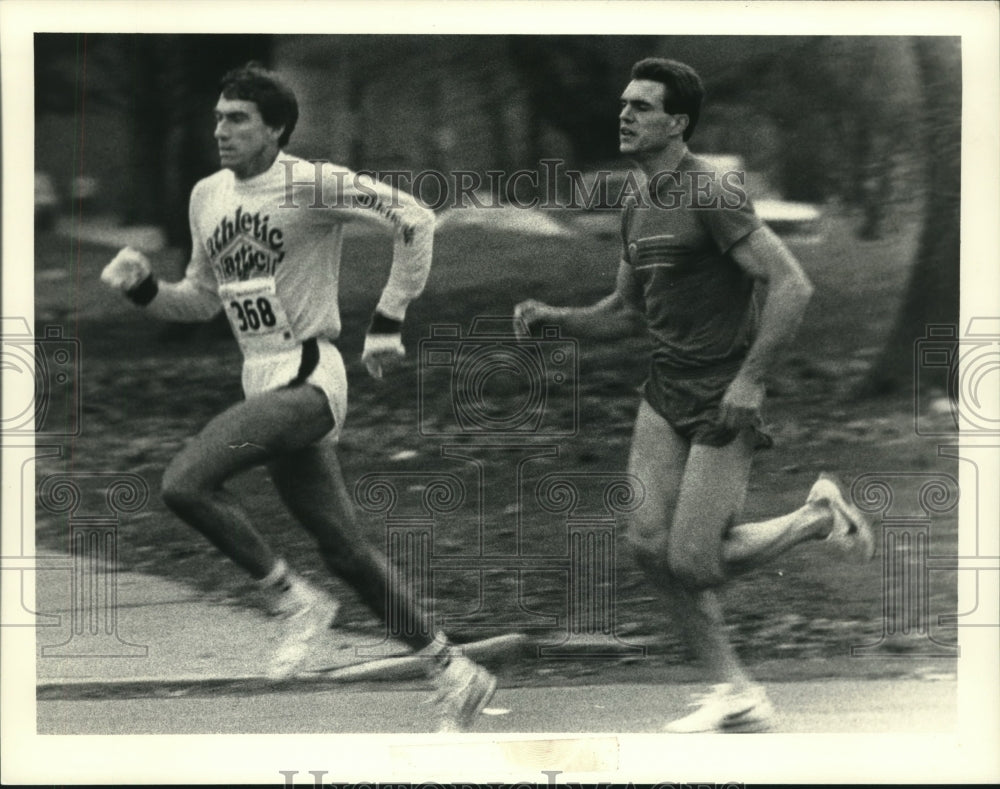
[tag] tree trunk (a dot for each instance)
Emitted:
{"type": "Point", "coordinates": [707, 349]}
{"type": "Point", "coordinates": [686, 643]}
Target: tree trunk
{"type": "Point", "coordinates": [933, 293]}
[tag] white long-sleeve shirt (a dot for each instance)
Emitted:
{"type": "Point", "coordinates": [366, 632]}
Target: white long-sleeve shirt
{"type": "Point", "coordinates": [267, 249]}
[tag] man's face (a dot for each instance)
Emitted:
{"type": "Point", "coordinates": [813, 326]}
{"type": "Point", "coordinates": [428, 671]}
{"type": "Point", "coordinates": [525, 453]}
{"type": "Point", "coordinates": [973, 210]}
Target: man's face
{"type": "Point", "coordinates": [643, 124]}
{"type": "Point", "coordinates": [245, 141]}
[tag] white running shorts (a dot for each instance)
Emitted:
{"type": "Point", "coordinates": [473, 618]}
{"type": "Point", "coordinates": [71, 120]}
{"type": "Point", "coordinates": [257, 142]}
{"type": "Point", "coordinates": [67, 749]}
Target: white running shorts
{"type": "Point", "coordinates": [316, 361]}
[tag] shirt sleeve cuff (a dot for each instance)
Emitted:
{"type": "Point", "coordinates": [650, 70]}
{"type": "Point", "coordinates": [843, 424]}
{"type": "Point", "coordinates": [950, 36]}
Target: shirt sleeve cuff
{"type": "Point", "coordinates": [392, 305]}
{"type": "Point", "coordinates": [382, 324]}
{"type": "Point", "coordinates": [144, 292]}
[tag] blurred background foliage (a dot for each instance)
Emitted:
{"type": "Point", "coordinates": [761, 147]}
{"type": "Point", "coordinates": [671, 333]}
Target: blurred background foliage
{"type": "Point", "coordinates": [865, 125]}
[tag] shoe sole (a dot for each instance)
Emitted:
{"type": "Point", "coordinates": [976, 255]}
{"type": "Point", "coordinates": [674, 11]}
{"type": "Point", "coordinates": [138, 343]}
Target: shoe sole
{"type": "Point", "coordinates": [743, 725]}
{"type": "Point", "coordinates": [755, 727]}
{"type": "Point", "coordinates": [469, 715]}
{"type": "Point", "coordinates": [860, 541]}
{"type": "Point", "coordinates": [297, 643]}
{"type": "Point", "coordinates": [472, 715]}
{"type": "Point", "coordinates": [739, 723]}
{"type": "Point", "coordinates": [749, 712]}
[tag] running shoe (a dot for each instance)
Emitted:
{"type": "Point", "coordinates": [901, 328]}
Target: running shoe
{"type": "Point", "coordinates": [307, 612]}
{"type": "Point", "coordinates": [724, 710]}
{"type": "Point", "coordinates": [464, 688]}
{"type": "Point", "coordinates": [852, 531]}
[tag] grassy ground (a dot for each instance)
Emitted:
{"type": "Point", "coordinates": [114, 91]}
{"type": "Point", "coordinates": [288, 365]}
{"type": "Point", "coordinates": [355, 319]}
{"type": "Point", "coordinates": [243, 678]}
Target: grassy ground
{"type": "Point", "coordinates": [145, 388]}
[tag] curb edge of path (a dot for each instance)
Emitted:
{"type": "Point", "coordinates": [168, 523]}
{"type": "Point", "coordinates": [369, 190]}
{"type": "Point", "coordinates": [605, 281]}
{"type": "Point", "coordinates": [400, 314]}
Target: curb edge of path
{"type": "Point", "coordinates": [409, 667]}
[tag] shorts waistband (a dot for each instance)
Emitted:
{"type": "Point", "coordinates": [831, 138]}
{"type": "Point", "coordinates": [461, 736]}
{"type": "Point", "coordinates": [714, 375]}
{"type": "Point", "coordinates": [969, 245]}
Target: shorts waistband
{"type": "Point", "coordinates": [717, 370]}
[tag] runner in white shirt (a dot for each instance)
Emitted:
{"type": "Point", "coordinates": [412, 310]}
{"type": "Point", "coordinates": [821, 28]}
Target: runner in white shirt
{"type": "Point", "coordinates": [267, 232]}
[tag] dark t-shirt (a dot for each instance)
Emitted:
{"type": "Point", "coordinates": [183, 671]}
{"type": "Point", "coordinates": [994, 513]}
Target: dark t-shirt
{"type": "Point", "coordinates": [698, 302]}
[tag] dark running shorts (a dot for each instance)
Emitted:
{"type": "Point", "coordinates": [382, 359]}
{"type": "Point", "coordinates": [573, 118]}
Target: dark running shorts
{"type": "Point", "coordinates": [691, 406]}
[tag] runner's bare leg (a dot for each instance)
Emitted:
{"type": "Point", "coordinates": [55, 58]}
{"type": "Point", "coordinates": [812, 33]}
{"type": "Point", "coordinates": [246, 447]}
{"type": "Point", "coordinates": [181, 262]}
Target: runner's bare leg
{"type": "Point", "coordinates": [659, 457]}
{"type": "Point", "coordinates": [693, 496]}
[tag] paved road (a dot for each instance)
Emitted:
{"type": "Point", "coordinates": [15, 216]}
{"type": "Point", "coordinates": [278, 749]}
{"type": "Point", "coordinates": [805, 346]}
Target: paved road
{"type": "Point", "coordinates": [180, 664]}
{"type": "Point", "coordinates": [849, 706]}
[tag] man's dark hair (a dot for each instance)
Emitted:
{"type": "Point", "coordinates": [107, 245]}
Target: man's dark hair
{"type": "Point", "coordinates": [274, 99]}
{"type": "Point", "coordinates": [682, 87]}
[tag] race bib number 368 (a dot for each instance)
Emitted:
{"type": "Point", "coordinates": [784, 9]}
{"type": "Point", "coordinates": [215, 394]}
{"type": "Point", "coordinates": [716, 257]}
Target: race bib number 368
{"type": "Point", "coordinates": [257, 317]}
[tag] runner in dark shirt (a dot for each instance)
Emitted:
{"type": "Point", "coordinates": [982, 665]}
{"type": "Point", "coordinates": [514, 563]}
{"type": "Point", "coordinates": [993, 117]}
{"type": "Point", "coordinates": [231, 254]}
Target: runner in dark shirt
{"type": "Point", "coordinates": [693, 254]}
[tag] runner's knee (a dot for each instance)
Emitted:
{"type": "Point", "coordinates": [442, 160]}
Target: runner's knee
{"type": "Point", "coordinates": [646, 528]}
{"type": "Point", "coordinates": [653, 562]}
{"type": "Point", "coordinates": [180, 491]}
{"type": "Point", "coordinates": [695, 570]}
{"type": "Point", "coordinates": [650, 558]}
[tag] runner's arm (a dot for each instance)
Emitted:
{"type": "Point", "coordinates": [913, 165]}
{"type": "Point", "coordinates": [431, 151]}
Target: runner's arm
{"type": "Point", "coordinates": [193, 298]}
{"type": "Point", "coordinates": [360, 197]}
{"type": "Point", "coordinates": [186, 301]}
{"type": "Point", "coordinates": [766, 258]}
{"type": "Point", "coordinates": [619, 314]}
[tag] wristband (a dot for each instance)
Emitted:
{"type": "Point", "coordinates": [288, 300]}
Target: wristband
{"type": "Point", "coordinates": [144, 292]}
{"type": "Point", "coordinates": [382, 325]}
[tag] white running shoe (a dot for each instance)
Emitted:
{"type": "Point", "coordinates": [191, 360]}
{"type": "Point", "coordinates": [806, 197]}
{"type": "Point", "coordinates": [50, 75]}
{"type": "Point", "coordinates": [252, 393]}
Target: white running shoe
{"type": "Point", "coordinates": [723, 710]}
{"type": "Point", "coordinates": [307, 612]}
{"type": "Point", "coordinates": [852, 531]}
{"type": "Point", "coordinates": [464, 688]}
